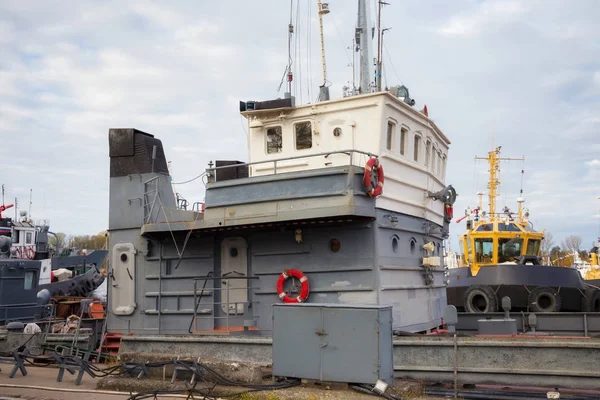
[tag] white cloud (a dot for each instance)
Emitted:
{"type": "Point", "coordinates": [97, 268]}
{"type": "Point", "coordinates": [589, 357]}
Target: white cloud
{"type": "Point", "coordinates": [482, 17]}
{"type": "Point", "coordinates": [593, 163]}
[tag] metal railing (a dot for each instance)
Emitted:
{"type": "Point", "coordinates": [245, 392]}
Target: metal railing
{"type": "Point", "coordinates": [211, 172]}
{"type": "Point", "coordinates": [217, 306]}
{"type": "Point", "coordinates": [35, 311]}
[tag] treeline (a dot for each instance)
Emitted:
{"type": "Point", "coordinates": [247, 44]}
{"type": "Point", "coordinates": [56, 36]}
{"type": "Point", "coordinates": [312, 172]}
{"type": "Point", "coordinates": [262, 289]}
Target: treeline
{"type": "Point", "coordinates": [84, 242]}
{"type": "Point", "coordinates": [563, 255]}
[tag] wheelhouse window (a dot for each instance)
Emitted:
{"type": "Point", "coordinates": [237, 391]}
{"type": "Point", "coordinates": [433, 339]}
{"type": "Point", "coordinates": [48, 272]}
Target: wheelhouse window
{"type": "Point", "coordinates": [274, 140]}
{"type": "Point", "coordinates": [391, 129]}
{"type": "Point", "coordinates": [484, 250]}
{"type": "Point", "coordinates": [303, 135]}
{"type": "Point", "coordinates": [427, 152]}
{"type": "Point", "coordinates": [509, 249]}
{"type": "Point", "coordinates": [417, 147]}
{"type": "Point", "coordinates": [29, 280]}
{"type": "Point", "coordinates": [28, 238]}
{"type": "Point", "coordinates": [533, 247]}
{"type": "Point", "coordinates": [444, 165]}
{"type": "Point", "coordinates": [403, 133]}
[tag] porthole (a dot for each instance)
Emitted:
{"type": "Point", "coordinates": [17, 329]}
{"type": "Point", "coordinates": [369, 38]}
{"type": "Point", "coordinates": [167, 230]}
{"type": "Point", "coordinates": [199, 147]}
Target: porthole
{"type": "Point", "coordinates": [413, 246]}
{"type": "Point", "coordinates": [337, 132]}
{"type": "Point", "coordinates": [124, 257]}
{"type": "Point", "coordinates": [335, 245]}
{"type": "Point", "coordinates": [395, 244]}
{"type": "Point", "coordinates": [233, 252]}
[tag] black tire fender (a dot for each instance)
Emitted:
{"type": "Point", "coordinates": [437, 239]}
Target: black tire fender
{"type": "Point", "coordinates": [590, 302]}
{"type": "Point", "coordinates": [479, 298]}
{"type": "Point", "coordinates": [544, 299]}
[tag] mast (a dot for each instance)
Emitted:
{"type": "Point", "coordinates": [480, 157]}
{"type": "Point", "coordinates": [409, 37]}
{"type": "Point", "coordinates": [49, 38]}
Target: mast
{"type": "Point", "coordinates": [290, 74]}
{"type": "Point", "coordinates": [362, 41]}
{"type": "Point", "coordinates": [379, 44]}
{"type": "Point", "coordinates": [494, 161]}
{"type": "Point", "coordinates": [323, 8]}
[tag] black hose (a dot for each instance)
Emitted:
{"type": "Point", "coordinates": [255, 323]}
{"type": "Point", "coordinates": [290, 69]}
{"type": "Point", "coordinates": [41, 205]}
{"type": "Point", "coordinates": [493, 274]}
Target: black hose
{"type": "Point", "coordinates": [199, 299]}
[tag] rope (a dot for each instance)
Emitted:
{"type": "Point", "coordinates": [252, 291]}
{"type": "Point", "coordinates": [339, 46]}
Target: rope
{"type": "Point", "coordinates": [169, 225]}
{"type": "Point", "coordinates": [194, 178]}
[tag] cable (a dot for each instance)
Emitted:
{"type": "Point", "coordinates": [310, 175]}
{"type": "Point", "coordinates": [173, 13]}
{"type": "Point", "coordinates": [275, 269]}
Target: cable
{"type": "Point", "coordinates": [392, 64]}
{"type": "Point", "coordinates": [191, 180]}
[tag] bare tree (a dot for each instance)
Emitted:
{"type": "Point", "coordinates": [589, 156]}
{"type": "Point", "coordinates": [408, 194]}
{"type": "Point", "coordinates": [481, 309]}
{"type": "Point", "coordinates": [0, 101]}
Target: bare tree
{"type": "Point", "coordinates": [547, 244]}
{"type": "Point", "coordinates": [571, 243]}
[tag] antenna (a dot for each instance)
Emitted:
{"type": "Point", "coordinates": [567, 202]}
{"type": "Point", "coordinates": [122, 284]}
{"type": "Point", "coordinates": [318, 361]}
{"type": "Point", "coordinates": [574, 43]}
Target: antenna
{"type": "Point", "coordinates": [290, 74]}
{"type": "Point", "coordinates": [494, 160]}
{"type": "Point", "coordinates": [30, 202]}
{"type": "Point", "coordinates": [362, 45]}
{"type": "Point", "coordinates": [323, 9]}
{"type": "Point", "coordinates": [2, 194]}
{"type": "Point", "coordinates": [379, 44]}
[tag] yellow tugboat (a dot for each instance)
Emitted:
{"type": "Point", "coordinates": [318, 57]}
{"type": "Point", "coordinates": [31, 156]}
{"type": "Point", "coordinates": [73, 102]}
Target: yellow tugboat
{"type": "Point", "coordinates": [501, 257]}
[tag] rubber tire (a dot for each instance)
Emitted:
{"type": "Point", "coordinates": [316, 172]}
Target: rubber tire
{"type": "Point", "coordinates": [548, 292]}
{"type": "Point", "coordinates": [591, 301]}
{"type": "Point", "coordinates": [486, 293]}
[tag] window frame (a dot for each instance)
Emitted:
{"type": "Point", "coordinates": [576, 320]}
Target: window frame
{"type": "Point", "coordinates": [390, 135]}
{"type": "Point", "coordinates": [280, 138]}
{"type": "Point", "coordinates": [428, 152]}
{"type": "Point", "coordinates": [28, 237]}
{"type": "Point", "coordinates": [417, 139]}
{"type": "Point", "coordinates": [403, 135]}
{"type": "Point", "coordinates": [296, 135]}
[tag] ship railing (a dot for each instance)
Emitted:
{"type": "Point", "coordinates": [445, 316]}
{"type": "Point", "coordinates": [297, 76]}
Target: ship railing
{"type": "Point", "coordinates": [31, 310]}
{"type": "Point", "coordinates": [354, 155]}
{"type": "Point", "coordinates": [236, 310]}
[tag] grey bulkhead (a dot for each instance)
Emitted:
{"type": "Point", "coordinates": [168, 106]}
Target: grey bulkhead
{"type": "Point", "coordinates": [376, 263]}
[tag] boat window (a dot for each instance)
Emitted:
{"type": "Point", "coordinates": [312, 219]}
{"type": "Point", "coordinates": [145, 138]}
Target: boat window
{"type": "Point", "coordinates": [391, 129]}
{"type": "Point", "coordinates": [28, 238]}
{"type": "Point", "coordinates": [29, 280]}
{"type": "Point", "coordinates": [403, 132]}
{"type": "Point", "coordinates": [16, 237]}
{"type": "Point", "coordinates": [417, 147]}
{"type": "Point", "coordinates": [469, 248]}
{"type": "Point", "coordinates": [533, 247]}
{"type": "Point", "coordinates": [439, 163]}
{"type": "Point", "coordinates": [428, 153]}
{"type": "Point", "coordinates": [274, 140]}
{"type": "Point", "coordinates": [395, 241]}
{"type": "Point", "coordinates": [303, 135]}
{"type": "Point", "coordinates": [337, 132]}
{"type": "Point", "coordinates": [413, 245]}
{"type": "Point", "coordinates": [509, 249]}
{"type": "Point", "coordinates": [485, 228]}
{"type": "Point", "coordinates": [484, 250]}
{"type": "Point", "coordinates": [444, 165]}
{"type": "Point", "coordinates": [502, 227]}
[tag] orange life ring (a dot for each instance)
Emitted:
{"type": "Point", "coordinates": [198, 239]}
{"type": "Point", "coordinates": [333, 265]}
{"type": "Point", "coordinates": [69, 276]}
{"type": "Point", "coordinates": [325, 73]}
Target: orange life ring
{"type": "Point", "coordinates": [301, 298]}
{"type": "Point", "coordinates": [377, 190]}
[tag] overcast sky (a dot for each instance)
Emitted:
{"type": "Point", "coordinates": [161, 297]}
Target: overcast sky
{"type": "Point", "coordinates": [526, 73]}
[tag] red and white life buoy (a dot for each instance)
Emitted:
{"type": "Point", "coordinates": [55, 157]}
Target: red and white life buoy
{"type": "Point", "coordinates": [30, 253]}
{"type": "Point", "coordinates": [301, 298]}
{"type": "Point", "coordinates": [373, 163]}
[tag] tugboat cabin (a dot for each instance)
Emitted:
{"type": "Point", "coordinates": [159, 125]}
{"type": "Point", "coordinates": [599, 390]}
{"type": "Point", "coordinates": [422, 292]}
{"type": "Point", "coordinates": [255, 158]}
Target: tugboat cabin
{"type": "Point", "coordinates": [302, 206]}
